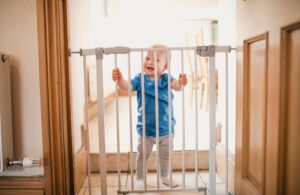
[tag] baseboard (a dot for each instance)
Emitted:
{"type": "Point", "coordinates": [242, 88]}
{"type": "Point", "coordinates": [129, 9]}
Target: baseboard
{"type": "Point", "coordinates": [220, 152]}
{"type": "Point", "coordinates": [93, 109]}
{"type": "Point", "coordinates": [176, 161]}
{"type": "Point", "coordinates": [125, 93]}
{"type": "Point", "coordinates": [33, 185]}
{"type": "Point", "coordinates": [22, 192]}
{"type": "Point", "coordinates": [80, 168]}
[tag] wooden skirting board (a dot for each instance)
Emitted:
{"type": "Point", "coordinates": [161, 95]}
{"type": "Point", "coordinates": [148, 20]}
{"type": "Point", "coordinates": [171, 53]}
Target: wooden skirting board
{"type": "Point", "coordinates": [92, 106]}
{"type": "Point", "coordinates": [176, 161]}
{"type": "Point", "coordinates": [80, 168]}
{"type": "Point", "coordinates": [221, 166]}
{"type": "Point", "coordinates": [22, 185]}
{"type": "Point", "coordinates": [125, 93]}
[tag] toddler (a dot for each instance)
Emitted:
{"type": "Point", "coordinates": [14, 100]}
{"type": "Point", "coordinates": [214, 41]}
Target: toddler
{"type": "Point", "coordinates": [149, 85]}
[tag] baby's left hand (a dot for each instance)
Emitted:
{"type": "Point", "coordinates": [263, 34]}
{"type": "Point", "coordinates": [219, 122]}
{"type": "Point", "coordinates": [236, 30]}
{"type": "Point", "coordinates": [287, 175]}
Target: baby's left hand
{"type": "Point", "coordinates": [182, 79]}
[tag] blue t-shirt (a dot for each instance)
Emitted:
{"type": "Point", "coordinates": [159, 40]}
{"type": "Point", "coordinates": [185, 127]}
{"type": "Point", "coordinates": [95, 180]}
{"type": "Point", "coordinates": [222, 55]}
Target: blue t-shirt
{"type": "Point", "coordinates": [163, 104]}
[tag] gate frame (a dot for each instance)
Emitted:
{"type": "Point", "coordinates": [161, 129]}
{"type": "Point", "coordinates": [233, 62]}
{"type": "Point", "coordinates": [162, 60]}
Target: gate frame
{"type": "Point", "coordinates": [203, 51]}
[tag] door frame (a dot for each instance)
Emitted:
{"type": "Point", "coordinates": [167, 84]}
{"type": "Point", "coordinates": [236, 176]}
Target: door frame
{"type": "Point", "coordinates": [283, 112]}
{"type": "Point", "coordinates": [242, 118]}
{"type": "Point", "coordinates": [55, 96]}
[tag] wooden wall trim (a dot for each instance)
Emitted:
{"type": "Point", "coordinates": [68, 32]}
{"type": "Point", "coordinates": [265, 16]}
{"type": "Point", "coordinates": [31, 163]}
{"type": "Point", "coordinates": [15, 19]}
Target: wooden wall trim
{"type": "Point", "coordinates": [47, 162]}
{"type": "Point", "coordinates": [283, 116]}
{"type": "Point", "coordinates": [26, 183]}
{"type": "Point", "coordinates": [242, 169]}
{"type": "Point", "coordinates": [93, 106]}
{"type": "Point", "coordinates": [220, 159]}
{"type": "Point", "coordinates": [80, 168]}
{"type": "Point", "coordinates": [125, 93]}
{"type": "Point", "coordinates": [55, 100]}
{"type": "Point", "coordinates": [176, 162]}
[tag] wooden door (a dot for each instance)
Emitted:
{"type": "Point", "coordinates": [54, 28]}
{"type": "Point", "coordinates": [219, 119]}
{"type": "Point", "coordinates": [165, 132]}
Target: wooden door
{"type": "Point", "coordinates": [268, 131]}
{"type": "Point", "coordinates": [289, 153]}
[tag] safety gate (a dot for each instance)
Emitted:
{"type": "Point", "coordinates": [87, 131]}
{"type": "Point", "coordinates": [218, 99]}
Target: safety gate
{"type": "Point", "coordinates": [203, 51]}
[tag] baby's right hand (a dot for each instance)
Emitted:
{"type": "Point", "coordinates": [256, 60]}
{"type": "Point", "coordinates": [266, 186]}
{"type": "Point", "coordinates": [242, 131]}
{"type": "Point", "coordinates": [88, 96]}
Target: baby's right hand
{"type": "Point", "coordinates": [116, 74]}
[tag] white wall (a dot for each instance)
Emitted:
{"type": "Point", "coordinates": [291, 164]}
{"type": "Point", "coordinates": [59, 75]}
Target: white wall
{"type": "Point", "coordinates": [142, 23]}
{"type": "Point", "coordinates": [227, 36]}
{"type": "Point", "coordinates": [79, 37]}
{"type": "Point", "coordinates": [18, 38]}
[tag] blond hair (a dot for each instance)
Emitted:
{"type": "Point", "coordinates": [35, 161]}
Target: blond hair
{"type": "Point", "coordinates": [165, 51]}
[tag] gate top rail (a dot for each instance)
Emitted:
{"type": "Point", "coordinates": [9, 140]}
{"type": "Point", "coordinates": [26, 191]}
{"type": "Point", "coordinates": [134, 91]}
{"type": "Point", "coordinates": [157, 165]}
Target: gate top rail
{"type": "Point", "coordinates": [204, 51]}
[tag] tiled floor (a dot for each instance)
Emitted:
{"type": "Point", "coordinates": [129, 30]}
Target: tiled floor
{"type": "Point", "coordinates": [112, 184]}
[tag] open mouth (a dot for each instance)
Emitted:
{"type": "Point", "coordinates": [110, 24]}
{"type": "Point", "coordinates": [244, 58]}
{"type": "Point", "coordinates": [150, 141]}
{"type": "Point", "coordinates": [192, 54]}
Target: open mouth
{"type": "Point", "coordinates": [150, 68]}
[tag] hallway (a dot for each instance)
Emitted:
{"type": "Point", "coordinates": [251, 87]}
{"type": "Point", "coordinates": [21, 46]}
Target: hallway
{"type": "Point", "coordinates": [111, 132]}
{"type": "Point", "coordinates": [112, 183]}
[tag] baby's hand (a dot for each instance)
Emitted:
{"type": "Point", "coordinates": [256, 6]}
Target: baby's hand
{"type": "Point", "coordinates": [116, 74]}
{"type": "Point", "coordinates": [182, 79]}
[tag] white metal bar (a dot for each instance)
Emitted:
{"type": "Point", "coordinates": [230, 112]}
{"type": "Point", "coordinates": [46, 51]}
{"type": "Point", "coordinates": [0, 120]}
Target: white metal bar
{"type": "Point", "coordinates": [217, 49]}
{"type": "Point", "coordinates": [116, 50]}
{"type": "Point", "coordinates": [156, 118]}
{"type": "Point", "coordinates": [170, 119]}
{"type": "Point", "coordinates": [226, 123]}
{"type": "Point", "coordinates": [196, 121]}
{"type": "Point", "coordinates": [212, 126]}
{"type": "Point", "coordinates": [86, 52]}
{"type": "Point", "coordinates": [118, 125]}
{"type": "Point", "coordinates": [161, 49]}
{"type": "Point", "coordinates": [130, 121]}
{"type": "Point", "coordinates": [100, 96]}
{"type": "Point", "coordinates": [183, 125]}
{"type": "Point", "coordinates": [144, 121]}
{"type": "Point", "coordinates": [223, 49]}
{"type": "Point", "coordinates": [86, 119]}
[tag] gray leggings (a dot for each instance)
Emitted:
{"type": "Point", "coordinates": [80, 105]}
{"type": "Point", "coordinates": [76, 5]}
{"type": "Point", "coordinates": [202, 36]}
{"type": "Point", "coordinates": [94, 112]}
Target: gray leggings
{"type": "Point", "coordinates": [163, 155]}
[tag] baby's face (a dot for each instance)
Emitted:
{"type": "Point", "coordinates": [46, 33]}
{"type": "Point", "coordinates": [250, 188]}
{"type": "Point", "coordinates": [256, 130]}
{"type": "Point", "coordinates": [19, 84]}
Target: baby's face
{"type": "Point", "coordinates": [160, 66]}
